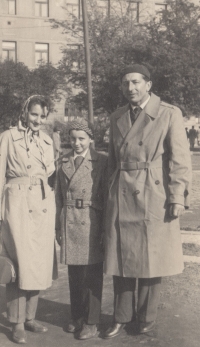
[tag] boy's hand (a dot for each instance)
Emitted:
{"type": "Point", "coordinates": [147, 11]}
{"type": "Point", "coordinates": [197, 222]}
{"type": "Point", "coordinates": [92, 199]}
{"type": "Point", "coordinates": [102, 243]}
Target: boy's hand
{"type": "Point", "coordinates": [58, 237]}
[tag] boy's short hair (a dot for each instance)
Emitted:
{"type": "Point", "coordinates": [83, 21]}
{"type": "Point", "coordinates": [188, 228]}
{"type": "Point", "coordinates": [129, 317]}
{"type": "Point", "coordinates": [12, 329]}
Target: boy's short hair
{"type": "Point", "coordinates": [84, 125]}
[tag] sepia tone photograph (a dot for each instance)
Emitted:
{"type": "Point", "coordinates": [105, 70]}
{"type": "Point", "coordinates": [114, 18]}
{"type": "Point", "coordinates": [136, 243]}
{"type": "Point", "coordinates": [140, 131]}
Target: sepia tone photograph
{"type": "Point", "coordinates": [100, 173]}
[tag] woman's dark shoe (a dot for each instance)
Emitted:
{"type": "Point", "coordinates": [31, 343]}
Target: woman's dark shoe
{"type": "Point", "coordinates": [18, 335]}
{"type": "Point", "coordinates": [35, 327]}
{"type": "Point", "coordinates": [75, 325]}
{"type": "Point", "coordinates": [147, 327]}
{"type": "Point", "coordinates": [114, 330]}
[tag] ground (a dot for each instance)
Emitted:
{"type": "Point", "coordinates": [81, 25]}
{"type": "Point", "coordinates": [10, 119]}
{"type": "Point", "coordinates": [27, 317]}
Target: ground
{"type": "Point", "coordinates": [178, 322]}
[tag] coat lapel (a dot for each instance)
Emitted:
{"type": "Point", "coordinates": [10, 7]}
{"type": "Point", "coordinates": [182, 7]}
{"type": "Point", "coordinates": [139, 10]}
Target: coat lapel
{"type": "Point", "coordinates": [68, 165]}
{"type": "Point", "coordinates": [87, 165]}
{"type": "Point", "coordinates": [124, 122]}
{"type": "Point", "coordinates": [145, 119]}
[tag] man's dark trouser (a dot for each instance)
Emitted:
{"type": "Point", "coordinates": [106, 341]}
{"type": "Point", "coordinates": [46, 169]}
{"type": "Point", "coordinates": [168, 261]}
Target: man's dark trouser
{"type": "Point", "coordinates": [21, 304]}
{"type": "Point", "coordinates": [86, 283]}
{"type": "Point", "coordinates": [124, 299]}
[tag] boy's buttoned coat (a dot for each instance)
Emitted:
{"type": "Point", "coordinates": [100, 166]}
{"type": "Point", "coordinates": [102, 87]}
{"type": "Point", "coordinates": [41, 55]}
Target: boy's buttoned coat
{"type": "Point", "coordinates": [150, 167]}
{"type": "Point", "coordinates": [81, 227]}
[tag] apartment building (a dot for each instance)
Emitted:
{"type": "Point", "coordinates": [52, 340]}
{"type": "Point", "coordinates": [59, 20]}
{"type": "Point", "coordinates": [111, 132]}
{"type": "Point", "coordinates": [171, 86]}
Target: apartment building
{"type": "Point", "coordinates": [26, 34]}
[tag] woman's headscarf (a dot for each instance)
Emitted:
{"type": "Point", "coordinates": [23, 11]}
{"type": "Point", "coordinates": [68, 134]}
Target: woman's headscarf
{"type": "Point", "coordinates": [23, 118]}
{"type": "Point", "coordinates": [23, 121]}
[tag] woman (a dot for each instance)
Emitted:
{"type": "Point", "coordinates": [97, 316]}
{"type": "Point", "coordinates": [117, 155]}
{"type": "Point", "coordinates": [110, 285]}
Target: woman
{"type": "Point", "coordinates": [27, 213]}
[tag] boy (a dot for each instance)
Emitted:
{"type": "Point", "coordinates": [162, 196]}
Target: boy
{"type": "Point", "coordinates": [79, 226]}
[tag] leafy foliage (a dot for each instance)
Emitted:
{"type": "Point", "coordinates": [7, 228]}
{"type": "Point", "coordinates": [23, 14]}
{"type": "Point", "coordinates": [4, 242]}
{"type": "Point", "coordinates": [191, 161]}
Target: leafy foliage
{"type": "Point", "coordinates": [17, 83]}
{"type": "Point", "coordinates": [168, 45]}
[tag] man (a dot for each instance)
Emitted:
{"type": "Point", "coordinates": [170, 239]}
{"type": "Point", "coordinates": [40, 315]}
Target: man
{"type": "Point", "coordinates": [150, 172]}
{"type": "Point", "coordinates": [192, 137]}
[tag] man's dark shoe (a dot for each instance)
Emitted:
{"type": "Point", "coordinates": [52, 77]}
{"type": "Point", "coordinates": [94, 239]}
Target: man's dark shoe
{"type": "Point", "coordinates": [114, 330]}
{"type": "Point", "coordinates": [35, 327]}
{"type": "Point", "coordinates": [19, 336]}
{"type": "Point", "coordinates": [75, 325]}
{"type": "Point", "coordinates": [146, 327]}
{"type": "Point", "coordinates": [88, 331]}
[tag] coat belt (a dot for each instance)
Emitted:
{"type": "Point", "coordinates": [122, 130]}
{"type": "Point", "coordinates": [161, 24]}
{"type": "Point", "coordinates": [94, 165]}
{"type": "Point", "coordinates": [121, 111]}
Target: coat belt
{"type": "Point", "coordinates": [139, 165]}
{"type": "Point", "coordinates": [30, 180]}
{"type": "Point", "coordinates": [80, 203]}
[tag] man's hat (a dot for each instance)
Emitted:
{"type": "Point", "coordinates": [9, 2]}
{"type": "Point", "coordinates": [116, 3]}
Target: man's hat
{"type": "Point", "coordinates": [136, 68]}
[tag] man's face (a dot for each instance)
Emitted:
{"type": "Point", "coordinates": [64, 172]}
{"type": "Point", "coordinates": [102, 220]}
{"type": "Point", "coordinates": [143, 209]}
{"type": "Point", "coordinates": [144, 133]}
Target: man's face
{"type": "Point", "coordinates": [135, 88]}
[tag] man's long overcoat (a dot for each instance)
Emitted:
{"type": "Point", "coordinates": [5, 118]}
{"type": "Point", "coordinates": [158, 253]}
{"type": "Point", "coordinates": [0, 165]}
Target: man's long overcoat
{"type": "Point", "coordinates": [150, 167]}
{"type": "Point", "coordinates": [28, 215]}
{"type": "Point", "coordinates": [81, 227]}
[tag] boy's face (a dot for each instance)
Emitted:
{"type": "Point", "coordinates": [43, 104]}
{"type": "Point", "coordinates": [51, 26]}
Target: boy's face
{"type": "Point", "coordinates": [79, 140]}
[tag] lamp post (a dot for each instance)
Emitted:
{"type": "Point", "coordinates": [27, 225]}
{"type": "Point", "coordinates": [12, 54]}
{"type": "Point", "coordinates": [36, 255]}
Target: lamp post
{"type": "Point", "coordinates": [87, 61]}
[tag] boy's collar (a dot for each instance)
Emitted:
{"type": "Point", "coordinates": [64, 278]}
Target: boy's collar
{"type": "Point", "coordinates": [83, 154]}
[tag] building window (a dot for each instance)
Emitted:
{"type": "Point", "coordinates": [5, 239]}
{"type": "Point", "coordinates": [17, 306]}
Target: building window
{"type": "Point", "coordinates": [42, 8]}
{"type": "Point", "coordinates": [74, 7]}
{"type": "Point", "coordinates": [41, 53]}
{"type": "Point", "coordinates": [159, 8]}
{"type": "Point", "coordinates": [11, 6]}
{"type": "Point", "coordinates": [75, 51]}
{"type": "Point", "coordinates": [103, 7]}
{"type": "Point", "coordinates": [133, 10]}
{"type": "Point", "coordinates": [9, 50]}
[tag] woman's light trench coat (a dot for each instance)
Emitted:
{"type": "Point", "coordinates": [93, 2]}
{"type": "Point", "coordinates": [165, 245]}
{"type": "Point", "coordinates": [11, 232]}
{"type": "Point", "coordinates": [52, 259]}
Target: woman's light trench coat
{"type": "Point", "coordinates": [27, 210]}
{"type": "Point", "coordinates": [150, 167]}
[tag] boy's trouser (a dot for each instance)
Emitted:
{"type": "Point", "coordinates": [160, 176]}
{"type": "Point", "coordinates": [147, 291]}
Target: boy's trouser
{"type": "Point", "coordinates": [21, 304]}
{"type": "Point", "coordinates": [124, 299]}
{"type": "Point", "coordinates": [85, 283]}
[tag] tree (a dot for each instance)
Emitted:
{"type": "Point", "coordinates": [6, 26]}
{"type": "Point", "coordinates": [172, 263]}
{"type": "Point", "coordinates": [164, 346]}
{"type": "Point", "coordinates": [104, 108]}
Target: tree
{"type": "Point", "coordinates": [168, 45]}
{"type": "Point", "coordinates": [17, 83]}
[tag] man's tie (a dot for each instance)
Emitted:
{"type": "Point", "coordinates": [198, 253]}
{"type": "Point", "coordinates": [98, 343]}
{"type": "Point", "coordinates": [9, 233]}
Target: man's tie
{"type": "Point", "coordinates": [134, 113]}
{"type": "Point", "coordinates": [77, 161]}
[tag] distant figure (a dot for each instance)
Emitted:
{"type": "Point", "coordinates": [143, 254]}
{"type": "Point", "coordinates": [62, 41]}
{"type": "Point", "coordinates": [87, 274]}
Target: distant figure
{"type": "Point", "coordinates": [198, 136]}
{"type": "Point", "coordinates": [56, 144]}
{"type": "Point", "coordinates": [192, 137]}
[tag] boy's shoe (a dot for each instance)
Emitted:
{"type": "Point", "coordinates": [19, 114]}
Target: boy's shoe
{"type": "Point", "coordinates": [75, 325]}
{"type": "Point", "coordinates": [88, 331]}
{"type": "Point", "coordinates": [35, 327]}
{"type": "Point", "coordinates": [18, 336]}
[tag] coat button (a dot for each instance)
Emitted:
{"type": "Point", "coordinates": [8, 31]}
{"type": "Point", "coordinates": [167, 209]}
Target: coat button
{"type": "Point", "coordinates": [140, 143]}
{"type": "Point", "coordinates": [45, 210]}
{"type": "Point", "coordinates": [124, 190]}
{"type": "Point", "coordinates": [83, 191]}
{"type": "Point", "coordinates": [157, 182]}
{"type": "Point", "coordinates": [83, 223]}
{"type": "Point", "coordinates": [30, 188]}
{"type": "Point", "coordinates": [137, 192]}
{"type": "Point", "coordinates": [30, 211]}
{"type": "Point", "coordinates": [29, 166]}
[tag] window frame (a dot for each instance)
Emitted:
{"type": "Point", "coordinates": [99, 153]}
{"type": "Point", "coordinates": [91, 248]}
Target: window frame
{"type": "Point", "coordinates": [41, 61]}
{"type": "Point", "coordinates": [137, 10]}
{"type": "Point", "coordinates": [15, 8]}
{"type": "Point", "coordinates": [10, 50]}
{"type": "Point", "coordinates": [40, 3]}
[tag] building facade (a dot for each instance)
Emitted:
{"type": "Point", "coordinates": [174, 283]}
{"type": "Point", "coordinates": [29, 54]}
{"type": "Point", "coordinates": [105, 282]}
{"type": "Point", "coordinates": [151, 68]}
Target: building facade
{"type": "Point", "coordinates": [26, 34]}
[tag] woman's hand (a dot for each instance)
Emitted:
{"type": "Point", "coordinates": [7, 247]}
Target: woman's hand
{"type": "Point", "coordinates": [58, 237]}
